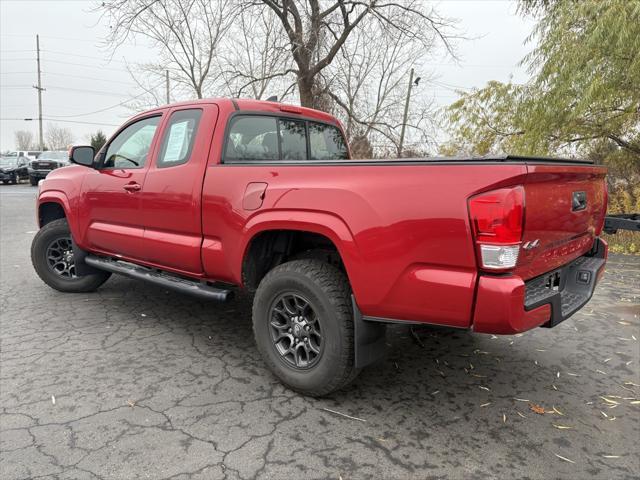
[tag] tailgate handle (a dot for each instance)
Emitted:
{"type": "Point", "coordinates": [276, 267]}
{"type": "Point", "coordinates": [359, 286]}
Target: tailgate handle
{"type": "Point", "coordinates": [579, 201]}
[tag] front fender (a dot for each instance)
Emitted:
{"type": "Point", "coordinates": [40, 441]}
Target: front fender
{"type": "Point", "coordinates": [60, 198]}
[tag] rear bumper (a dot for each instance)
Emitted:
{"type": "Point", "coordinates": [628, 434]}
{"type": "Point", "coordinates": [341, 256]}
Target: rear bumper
{"type": "Point", "coordinates": [508, 305]}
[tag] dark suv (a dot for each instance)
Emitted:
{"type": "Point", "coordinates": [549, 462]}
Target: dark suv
{"type": "Point", "coordinates": [13, 169]}
{"type": "Point", "coordinates": [47, 161]}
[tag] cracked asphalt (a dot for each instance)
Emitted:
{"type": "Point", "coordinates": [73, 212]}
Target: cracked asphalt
{"type": "Point", "coordinates": [136, 382]}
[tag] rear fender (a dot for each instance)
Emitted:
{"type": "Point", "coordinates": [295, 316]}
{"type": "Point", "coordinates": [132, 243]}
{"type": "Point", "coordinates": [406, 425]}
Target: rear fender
{"type": "Point", "coordinates": [320, 223]}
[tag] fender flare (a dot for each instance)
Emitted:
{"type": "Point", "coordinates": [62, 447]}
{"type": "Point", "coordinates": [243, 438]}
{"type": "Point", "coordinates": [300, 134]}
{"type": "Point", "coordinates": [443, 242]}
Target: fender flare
{"type": "Point", "coordinates": [59, 197]}
{"type": "Point", "coordinates": [322, 223]}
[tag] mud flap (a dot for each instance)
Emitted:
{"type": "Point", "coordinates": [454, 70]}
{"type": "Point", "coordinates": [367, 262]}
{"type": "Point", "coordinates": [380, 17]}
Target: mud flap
{"type": "Point", "coordinates": [79, 255]}
{"type": "Point", "coordinates": [369, 338]}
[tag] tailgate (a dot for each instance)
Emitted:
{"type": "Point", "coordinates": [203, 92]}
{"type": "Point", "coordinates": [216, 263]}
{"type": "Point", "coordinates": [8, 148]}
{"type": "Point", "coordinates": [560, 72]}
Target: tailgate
{"type": "Point", "coordinates": [565, 207]}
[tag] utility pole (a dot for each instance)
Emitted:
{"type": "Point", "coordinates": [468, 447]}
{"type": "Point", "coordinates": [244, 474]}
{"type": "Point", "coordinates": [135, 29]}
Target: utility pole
{"type": "Point", "coordinates": [406, 114]}
{"type": "Point", "coordinates": [39, 89]}
{"type": "Point", "coordinates": [167, 84]}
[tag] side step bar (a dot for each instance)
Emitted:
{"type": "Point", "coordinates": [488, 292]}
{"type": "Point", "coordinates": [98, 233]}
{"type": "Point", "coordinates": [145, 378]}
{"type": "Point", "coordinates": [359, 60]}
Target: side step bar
{"type": "Point", "coordinates": [160, 278]}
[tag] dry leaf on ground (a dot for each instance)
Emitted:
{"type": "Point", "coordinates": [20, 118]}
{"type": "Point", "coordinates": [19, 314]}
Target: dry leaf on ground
{"type": "Point", "coordinates": [536, 408]}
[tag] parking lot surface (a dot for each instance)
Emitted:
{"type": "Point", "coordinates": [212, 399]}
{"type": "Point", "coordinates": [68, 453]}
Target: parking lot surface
{"type": "Point", "coordinates": [136, 382]}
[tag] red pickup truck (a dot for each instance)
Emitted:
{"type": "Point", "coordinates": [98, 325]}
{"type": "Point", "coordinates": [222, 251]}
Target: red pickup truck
{"type": "Point", "coordinates": [203, 197]}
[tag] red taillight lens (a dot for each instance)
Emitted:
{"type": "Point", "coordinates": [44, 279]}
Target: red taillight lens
{"type": "Point", "coordinates": [497, 217]}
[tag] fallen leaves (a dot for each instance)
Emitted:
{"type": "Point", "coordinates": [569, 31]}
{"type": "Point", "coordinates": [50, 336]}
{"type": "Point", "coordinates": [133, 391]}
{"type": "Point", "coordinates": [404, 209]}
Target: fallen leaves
{"type": "Point", "coordinates": [562, 427]}
{"type": "Point", "coordinates": [564, 458]}
{"type": "Point", "coordinates": [536, 408]}
{"type": "Point", "coordinates": [343, 415]}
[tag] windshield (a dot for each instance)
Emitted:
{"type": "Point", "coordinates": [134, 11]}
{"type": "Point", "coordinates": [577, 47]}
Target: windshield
{"type": "Point", "coordinates": [54, 156]}
{"type": "Point", "coordinates": [7, 161]}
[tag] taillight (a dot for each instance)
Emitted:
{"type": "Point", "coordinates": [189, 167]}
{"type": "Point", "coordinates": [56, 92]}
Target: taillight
{"type": "Point", "coordinates": [497, 219]}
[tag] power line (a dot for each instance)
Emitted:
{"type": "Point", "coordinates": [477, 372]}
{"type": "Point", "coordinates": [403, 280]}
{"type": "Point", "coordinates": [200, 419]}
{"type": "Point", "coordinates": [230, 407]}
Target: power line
{"type": "Point", "coordinates": [88, 78]}
{"type": "Point", "coordinates": [93, 57]}
{"type": "Point", "coordinates": [81, 90]}
{"type": "Point", "coordinates": [49, 119]}
{"type": "Point", "coordinates": [95, 67]}
{"type": "Point", "coordinates": [106, 108]}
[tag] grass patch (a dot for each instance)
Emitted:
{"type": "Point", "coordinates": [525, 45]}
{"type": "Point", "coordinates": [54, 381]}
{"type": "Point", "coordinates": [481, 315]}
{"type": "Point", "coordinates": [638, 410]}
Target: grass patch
{"type": "Point", "coordinates": [624, 241]}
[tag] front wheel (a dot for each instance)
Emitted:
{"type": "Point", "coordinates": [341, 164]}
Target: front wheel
{"type": "Point", "coordinates": [33, 181]}
{"type": "Point", "coordinates": [53, 259]}
{"type": "Point", "coordinates": [303, 326]}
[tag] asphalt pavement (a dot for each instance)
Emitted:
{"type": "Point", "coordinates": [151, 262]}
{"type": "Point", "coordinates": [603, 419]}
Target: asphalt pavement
{"type": "Point", "coordinates": [136, 382]}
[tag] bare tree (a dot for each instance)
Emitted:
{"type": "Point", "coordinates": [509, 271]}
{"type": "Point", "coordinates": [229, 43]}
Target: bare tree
{"type": "Point", "coordinates": [318, 30]}
{"type": "Point", "coordinates": [24, 139]}
{"type": "Point", "coordinates": [256, 57]}
{"type": "Point", "coordinates": [368, 82]}
{"type": "Point", "coordinates": [58, 138]}
{"type": "Point", "coordinates": [187, 33]}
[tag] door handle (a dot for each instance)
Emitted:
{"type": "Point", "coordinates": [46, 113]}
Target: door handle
{"type": "Point", "coordinates": [132, 187]}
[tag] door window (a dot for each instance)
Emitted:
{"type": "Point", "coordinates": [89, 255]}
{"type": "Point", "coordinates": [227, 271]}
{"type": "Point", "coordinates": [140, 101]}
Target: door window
{"type": "Point", "coordinates": [179, 137]}
{"type": "Point", "coordinates": [131, 146]}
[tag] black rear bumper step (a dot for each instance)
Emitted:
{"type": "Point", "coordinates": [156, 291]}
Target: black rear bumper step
{"type": "Point", "coordinates": [160, 278]}
{"type": "Point", "coordinates": [566, 289]}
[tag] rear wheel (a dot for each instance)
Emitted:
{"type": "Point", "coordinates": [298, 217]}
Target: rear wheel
{"type": "Point", "coordinates": [53, 259]}
{"type": "Point", "coordinates": [303, 326]}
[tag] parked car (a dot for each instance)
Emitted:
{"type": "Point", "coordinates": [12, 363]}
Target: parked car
{"type": "Point", "coordinates": [203, 196]}
{"type": "Point", "coordinates": [28, 154]}
{"type": "Point", "coordinates": [45, 163]}
{"type": "Point", "coordinates": [13, 169]}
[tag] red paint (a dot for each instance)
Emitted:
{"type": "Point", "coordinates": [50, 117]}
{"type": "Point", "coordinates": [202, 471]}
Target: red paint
{"type": "Point", "coordinates": [403, 231]}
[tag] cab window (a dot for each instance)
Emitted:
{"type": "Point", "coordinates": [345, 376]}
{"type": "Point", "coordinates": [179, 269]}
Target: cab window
{"type": "Point", "coordinates": [326, 142]}
{"type": "Point", "coordinates": [253, 138]}
{"type": "Point", "coordinates": [266, 138]}
{"type": "Point", "coordinates": [293, 140]}
{"type": "Point", "coordinates": [130, 148]}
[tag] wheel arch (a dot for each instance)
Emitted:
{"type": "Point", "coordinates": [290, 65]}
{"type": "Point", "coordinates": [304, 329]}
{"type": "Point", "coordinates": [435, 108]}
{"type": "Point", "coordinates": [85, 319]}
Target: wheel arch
{"type": "Point", "coordinates": [53, 205]}
{"type": "Point", "coordinates": [280, 236]}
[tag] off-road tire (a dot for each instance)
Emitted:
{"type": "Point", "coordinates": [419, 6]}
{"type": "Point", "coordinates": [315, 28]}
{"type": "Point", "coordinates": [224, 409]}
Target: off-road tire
{"type": "Point", "coordinates": [47, 234]}
{"type": "Point", "coordinates": [327, 290]}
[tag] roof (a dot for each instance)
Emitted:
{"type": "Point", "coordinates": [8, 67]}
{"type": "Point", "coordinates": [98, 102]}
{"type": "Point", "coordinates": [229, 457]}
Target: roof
{"type": "Point", "coordinates": [252, 105]}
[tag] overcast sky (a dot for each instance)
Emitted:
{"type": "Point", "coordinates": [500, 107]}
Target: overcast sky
{"type": "Point", "coordinates": [80, 78]}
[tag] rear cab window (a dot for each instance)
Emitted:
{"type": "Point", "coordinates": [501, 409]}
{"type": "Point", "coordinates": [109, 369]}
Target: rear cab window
{"type": "Point", "coordinates": [263, 138]}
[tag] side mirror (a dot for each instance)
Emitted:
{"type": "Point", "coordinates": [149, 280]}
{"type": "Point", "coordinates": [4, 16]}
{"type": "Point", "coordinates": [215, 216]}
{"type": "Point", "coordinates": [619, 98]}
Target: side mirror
{"type": "Point", "coordinates": [82, 155]}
